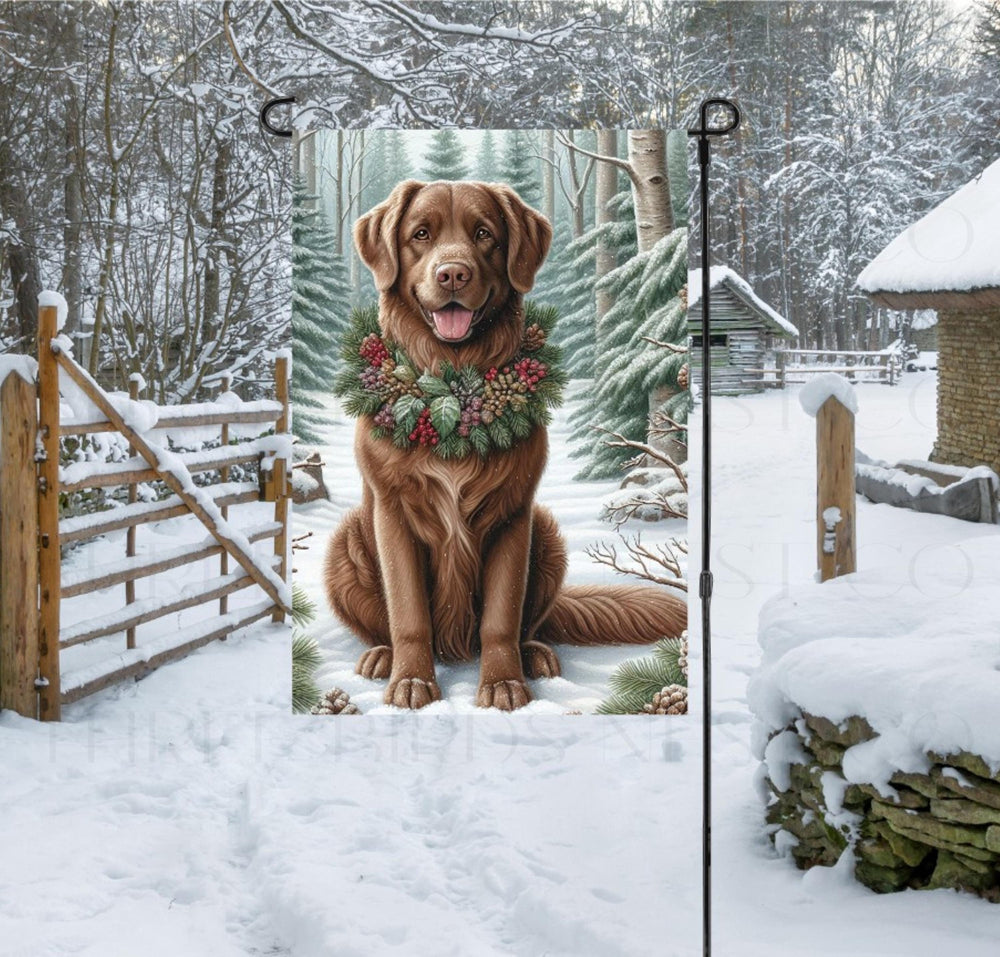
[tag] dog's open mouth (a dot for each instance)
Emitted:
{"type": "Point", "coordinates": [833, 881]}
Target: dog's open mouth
{"type": "Point", "coordinates": [453, 321]}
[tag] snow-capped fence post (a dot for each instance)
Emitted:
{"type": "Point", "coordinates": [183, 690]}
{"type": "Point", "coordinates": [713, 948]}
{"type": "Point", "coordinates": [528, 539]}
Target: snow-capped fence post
{"type": "Point", "coordinates": [49, 560]}
{"type": "Point", "coordinates": [281, 477]}
{"type": "Point", "coordinates": [18, 547]}
{"type": "Point", "coordinates": [831, 399]}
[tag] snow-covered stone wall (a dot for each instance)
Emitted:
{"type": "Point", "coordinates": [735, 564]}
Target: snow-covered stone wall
{"type": "Point", "coordinates": [969, 388]}
{"type": "Point", "coordinates": [877, 720]}
{"type": "Point", "coordinates": [939, 828]}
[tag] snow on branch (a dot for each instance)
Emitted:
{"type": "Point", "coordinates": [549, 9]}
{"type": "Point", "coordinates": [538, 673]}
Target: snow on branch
{"type": "Point", "coordinates": [427, 25]}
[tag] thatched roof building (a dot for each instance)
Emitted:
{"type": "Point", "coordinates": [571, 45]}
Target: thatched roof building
{"type": "Point", "coordinates": [950, 261]}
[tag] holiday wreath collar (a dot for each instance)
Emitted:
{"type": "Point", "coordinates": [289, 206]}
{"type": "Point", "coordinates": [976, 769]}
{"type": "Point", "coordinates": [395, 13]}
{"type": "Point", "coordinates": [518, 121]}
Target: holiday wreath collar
{"type": "Point", "coordinates": [460, 411]}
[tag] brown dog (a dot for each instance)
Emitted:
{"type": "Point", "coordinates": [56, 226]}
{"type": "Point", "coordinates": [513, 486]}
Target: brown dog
{"type": "Point", "coordinates": [451, 557]}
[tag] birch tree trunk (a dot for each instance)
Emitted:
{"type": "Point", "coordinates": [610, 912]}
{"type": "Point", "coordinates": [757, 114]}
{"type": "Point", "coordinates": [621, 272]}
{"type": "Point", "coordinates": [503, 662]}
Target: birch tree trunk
{"type": "Point", "coordinates": [647, 153]}
{"type": "Point", "coordinates": [606, 187]}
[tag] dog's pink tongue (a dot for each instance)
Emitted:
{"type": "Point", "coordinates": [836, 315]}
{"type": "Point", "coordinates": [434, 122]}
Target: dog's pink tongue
{"type": "Point", "coordinates": [452, 322]}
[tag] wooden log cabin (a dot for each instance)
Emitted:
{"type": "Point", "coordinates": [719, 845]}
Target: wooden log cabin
{"type": "Point", "coordinates": [745, 335]}
{"type": "Point", "coordinates": [949, 261]}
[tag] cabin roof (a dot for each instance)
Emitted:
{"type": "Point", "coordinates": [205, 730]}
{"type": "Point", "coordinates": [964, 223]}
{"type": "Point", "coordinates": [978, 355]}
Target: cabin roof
{"type": "Point", "coordinates": [948, 259]}
{"type": "Point", "coordinates": [724, 277]}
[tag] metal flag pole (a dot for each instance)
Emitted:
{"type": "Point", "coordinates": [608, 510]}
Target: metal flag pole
{"type": "Point", "coordinates": [731, 120]}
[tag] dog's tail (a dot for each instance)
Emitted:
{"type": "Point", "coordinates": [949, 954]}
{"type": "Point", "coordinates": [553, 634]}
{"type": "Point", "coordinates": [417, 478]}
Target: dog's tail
{"type": "Point", "coordinates": [613, 615]}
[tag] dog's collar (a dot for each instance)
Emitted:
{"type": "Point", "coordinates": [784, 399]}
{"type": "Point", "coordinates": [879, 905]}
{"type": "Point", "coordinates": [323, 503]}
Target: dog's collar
{"type": "Point", "coordinates": [460, 411]}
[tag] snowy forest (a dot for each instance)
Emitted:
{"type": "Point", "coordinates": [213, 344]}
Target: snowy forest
{"type": "Point", "coordinates": [134, 179]}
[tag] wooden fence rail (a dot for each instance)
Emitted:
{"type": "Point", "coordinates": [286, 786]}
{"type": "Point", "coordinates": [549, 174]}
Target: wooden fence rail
{"type": "Point", "coordinates": [797, 365]}
{"type": "Point", "coordinates": [31, 532]}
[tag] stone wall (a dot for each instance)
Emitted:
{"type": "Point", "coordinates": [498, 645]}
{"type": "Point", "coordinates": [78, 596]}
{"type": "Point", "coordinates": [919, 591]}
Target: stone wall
{"type": "Point", "coordinates": [940, 829]}
{"type": "Point", "coordinates": [968, 400]}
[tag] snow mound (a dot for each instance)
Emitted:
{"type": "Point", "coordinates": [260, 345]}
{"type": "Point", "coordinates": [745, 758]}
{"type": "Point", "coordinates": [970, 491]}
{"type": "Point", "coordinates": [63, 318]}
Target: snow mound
{"type": "Point", "coordinates": [24, 366]}
{"type": "Point", "coordinates": [952, 248]}
{"type": "Point", "coordinates": [923, 668]}
{"type": "Point", "coordinates": [48, 297]}
{"type": "Point", "coordinates": [815, 392]}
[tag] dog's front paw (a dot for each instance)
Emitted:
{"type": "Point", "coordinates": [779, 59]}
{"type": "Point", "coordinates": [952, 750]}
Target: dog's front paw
{"type": "Point", "coordinates": [539, 660]}
{"type": "Point", "coordinates": [505, 695]}
{"type": "Point", "coordinates": [411, 693]}
{"type": "Point", "coordinates": [375, 663]}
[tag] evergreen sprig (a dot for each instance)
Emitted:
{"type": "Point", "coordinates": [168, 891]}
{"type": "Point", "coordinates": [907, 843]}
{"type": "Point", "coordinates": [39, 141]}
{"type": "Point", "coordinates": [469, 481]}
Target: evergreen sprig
{"type": "Point", "coordinates": [636, 680]}
{"type": "Point", "coordinates": [306, 659]}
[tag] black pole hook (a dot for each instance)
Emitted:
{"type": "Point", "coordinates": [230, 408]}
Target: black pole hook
{"type": "Point", "coordinates": [705, 130]}
{"type": "Point", "coordinates": [266, 109]}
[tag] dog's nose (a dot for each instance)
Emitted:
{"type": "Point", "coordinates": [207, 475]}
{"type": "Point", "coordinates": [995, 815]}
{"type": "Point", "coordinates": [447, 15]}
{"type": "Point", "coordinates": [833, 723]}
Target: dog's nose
{"type": "Point", "coordinates": [453, 276]}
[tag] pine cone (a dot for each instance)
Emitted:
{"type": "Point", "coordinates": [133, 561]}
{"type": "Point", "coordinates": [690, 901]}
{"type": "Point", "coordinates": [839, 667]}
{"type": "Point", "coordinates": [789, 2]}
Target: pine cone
{"type": "Point", "coordinates": [682, 658]}
{"type": "Point", "coordinates": [335, 701]}
{"type": "Point", "coordinates": [673, 699]}
{"type": "Point", "coordinates": [684, 377]}
{"type": "Point", "coordinates": [506, 389]}
{"type": "Point", "coordinates": [534, 338]}
{"type": "Point", "coordinates": [683, 296]}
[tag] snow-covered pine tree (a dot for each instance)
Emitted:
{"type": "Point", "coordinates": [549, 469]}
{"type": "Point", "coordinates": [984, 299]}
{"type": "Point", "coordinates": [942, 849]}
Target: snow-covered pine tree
{"type": "Point", "coordinates": [519, 167]}
{"type": "Point", "coordinates": [567, 282]}
{"type": "Point", "coordinates": [320, 293]}
{"type": "Point", "coordinates": [645, 305]}
{"type": "Point", "coordinates": [628, 368]}
{"type": "Point", "coordinates": [486, 159]}
{"type": "Point", "coordinates": [445, 157]}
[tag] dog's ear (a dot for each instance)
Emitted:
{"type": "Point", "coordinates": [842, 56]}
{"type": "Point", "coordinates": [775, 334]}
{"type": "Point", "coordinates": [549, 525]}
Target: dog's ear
{"type": "Point", "coordinates": [375, 234]}
{"type": "Point", "coordinates": [529, 234]}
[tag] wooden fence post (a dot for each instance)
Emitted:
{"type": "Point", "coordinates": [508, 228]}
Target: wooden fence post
{"type": "Point", "coordinates": [281, 476]}
{"type": "Point", "coordinates": [133, 394]}
{"type": "Point", "coordinates": [49, 703]}
{"type": "Point", "coordinates": [227, 382]}
{"type": "Point", "coordinates": [782, 358]}
{"type": "Point", "coordinates": [835, 504]}
{"type": "Point", "coordinates": [18, 547]}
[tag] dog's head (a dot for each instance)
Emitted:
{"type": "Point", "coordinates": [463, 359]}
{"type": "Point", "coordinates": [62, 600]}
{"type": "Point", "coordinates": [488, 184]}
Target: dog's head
{"type": "Point", "coordinates": [454, 252]}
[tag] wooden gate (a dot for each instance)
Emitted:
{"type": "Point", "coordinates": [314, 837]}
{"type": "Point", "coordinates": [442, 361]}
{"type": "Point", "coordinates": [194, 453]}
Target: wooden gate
{"type": "Point", "coordinates": [34, 582]}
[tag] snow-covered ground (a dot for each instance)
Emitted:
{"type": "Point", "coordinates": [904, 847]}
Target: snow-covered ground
{"type": "Point", "coordinates": [764, 544]}
{"type": "Point", "coordinates": [575, 505]}
{"type": "Point", "coordinates": [191, 814]}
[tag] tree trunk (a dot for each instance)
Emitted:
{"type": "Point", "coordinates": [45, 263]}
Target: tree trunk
{"type": "Point", "coordinates": [72, 279]}
{"type": "Point", "coordinates": [215, 246]}
{"type": "Point", "coordinates": [549, 176]}
{"type": "Point", "coordinates": [338, 209]}
{"type": "Point", "coordinates": [647, 153]}
{"type": "Point", "coordinates": [607, 184]}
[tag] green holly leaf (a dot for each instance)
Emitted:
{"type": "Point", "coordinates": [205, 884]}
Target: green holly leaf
{"type": "Point", "coordinates": [445, 414]}
{"type": "Point", "coordinates": [407, 410]}
{"type": "Point", "coordinates": [431, 385]}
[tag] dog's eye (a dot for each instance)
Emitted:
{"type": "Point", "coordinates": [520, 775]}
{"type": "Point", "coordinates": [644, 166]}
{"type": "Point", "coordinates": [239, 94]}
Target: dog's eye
{"type": "Point", "coordinates": [422, 233]}
{"type": "Point", "coordinates": [483, 233]}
